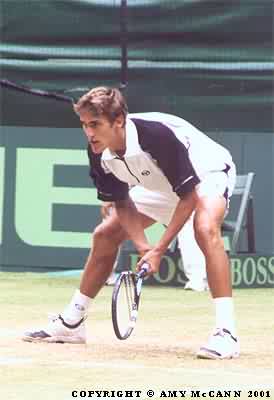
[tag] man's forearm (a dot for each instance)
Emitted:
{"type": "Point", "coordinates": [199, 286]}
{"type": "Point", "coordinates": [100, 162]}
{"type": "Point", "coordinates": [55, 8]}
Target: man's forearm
{"type": "Point", "coordinates": [130, 221]}
{"type": "Point", "coordinates": [183, 211]}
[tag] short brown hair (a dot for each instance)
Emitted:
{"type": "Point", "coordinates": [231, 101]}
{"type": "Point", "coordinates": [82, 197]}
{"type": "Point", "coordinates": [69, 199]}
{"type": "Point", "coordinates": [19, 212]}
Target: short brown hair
{"type": "Point", "coordinates": [103, 100]}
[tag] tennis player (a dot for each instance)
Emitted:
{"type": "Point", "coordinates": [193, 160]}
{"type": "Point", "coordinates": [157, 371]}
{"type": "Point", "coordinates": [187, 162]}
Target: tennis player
{"type": "Point", "coordinates": [174, 171]}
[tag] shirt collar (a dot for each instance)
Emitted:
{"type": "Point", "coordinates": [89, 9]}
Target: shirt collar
{"type": "Point", "coordinates": [132, 143]}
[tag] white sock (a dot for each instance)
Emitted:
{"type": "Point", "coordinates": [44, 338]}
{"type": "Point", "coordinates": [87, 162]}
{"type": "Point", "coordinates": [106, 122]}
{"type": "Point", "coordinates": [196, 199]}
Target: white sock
{"type": "Point", "coordinates": [224, 312]}
{"type": "Point", "coordinates": [77, 308]}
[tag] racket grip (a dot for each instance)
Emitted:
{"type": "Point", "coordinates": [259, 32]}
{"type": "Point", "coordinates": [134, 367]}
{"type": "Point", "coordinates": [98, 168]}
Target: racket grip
{"type": "Point", "coordinates": [144, 270]}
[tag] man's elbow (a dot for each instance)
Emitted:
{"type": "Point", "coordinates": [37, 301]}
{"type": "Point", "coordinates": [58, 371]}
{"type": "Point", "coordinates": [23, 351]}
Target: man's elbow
{"type": "Point", "coordinates": [123, 203]}
{"type": "Point", "coordinates": [190, 197]}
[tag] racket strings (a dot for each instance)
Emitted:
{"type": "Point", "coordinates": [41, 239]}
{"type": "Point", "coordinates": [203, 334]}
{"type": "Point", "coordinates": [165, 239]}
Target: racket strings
{"type": "Point", "coordinates": [125, 303]}
{"type": "Point", "coordinates": [129, 294]}
{"type": "Point", "coordinates": [132, 299]}
{"type": "Point", "coordinates": [125, 299]}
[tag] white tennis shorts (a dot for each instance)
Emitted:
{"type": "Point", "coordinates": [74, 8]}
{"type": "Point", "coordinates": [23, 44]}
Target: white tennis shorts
{"type": "Point", "coordinates": [160, 206]}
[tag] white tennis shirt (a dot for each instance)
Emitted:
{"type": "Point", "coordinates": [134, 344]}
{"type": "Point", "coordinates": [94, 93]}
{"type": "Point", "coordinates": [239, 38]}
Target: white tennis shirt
{"type": "Point", "coordinates": [164, 153]}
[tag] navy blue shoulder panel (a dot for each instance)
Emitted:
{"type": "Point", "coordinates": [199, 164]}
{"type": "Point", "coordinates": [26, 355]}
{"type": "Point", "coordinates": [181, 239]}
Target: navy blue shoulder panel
{"type": "Point", "coordinates": [171, 155]}
{"type": "Point", "coordinates": [109, 188]}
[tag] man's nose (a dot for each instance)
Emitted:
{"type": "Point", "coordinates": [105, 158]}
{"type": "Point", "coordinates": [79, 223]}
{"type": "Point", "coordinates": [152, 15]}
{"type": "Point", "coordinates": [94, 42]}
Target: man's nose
{"type": "Point", "coordinates": [89, 132]}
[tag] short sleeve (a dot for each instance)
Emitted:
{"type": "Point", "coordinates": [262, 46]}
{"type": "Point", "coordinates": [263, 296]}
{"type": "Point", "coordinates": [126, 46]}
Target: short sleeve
{"type": "Point", "coordinates": [109, 188]}
{"type": "Point", "coordinates": [170, 153]}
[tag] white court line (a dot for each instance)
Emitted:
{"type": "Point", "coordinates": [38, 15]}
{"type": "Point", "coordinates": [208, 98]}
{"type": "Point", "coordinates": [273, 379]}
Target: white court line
{"type": "Point", "coordinates": [193, 371]}
{"type": "Point", "coordinates": [134, 366]}
{"type": "Point", "coordinates": [130, 365]}
{"type": "Point", "coordinates": [15, 361]}
{"type": "Point", "coordinates": [8, 333]}
{"type": "Point", "coordinates": [214, 372]}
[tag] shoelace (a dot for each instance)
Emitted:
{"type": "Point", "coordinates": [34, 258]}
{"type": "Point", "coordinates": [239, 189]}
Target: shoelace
{"type": "Point", "coordinates": [53, 317]}
{"type": "Point", "coordinates": [219, 332]}
{"type": "Point", "coordinates": [222, 332]}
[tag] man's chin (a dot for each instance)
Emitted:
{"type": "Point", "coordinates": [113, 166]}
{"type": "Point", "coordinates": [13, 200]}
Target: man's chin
{"type": "Point", "coordinates": [97, 149]}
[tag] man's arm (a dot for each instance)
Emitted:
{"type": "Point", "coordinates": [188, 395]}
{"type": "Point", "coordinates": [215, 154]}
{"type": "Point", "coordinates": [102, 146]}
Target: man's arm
{"type": "Point", "coordinates": [183, 211]}
{"type": "Point", "coordinates": [130, 221]}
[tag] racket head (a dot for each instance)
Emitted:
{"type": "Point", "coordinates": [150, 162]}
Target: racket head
{"type": "Point", "coordinates": [125, 301]}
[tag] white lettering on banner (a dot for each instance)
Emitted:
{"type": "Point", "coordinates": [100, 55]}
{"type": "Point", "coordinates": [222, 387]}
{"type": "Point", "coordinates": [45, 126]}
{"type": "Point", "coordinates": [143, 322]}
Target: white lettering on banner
{"type": "Point", "coordinates": [2, 188]}
{"type": "Point", "coordinates": [35, 195]}
{"type": "Point", "coordinates": [170, 270]}
{"type": "Point", "coordinates": [181, 276]}
{"type": "Point", "coordinates": [262, 270]}
{"type": "Point", "coordinates": [249, 271]}
{"type": "Point", "coordinates": [271, 268]}
{"type": "Point", "coordinates": [252, 271]}
{"type": "Point", "coordinates": [236, 271]}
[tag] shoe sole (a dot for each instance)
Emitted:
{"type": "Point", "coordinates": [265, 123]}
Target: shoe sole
{"type": "Point", "coordinates": [54, 339]}
{"type": "Point", "coordinates": [210, 356]}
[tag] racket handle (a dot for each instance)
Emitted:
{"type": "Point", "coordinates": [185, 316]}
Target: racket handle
{"type": "Point", "coordinates": [144, 270]}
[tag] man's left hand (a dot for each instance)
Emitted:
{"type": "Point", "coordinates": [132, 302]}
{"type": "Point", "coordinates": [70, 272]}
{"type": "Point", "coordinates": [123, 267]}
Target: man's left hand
{"type": "Point", "coordinates": [153, 258]}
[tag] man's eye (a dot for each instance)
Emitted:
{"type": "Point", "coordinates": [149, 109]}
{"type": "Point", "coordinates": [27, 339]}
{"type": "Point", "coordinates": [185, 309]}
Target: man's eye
{"type": "Point", "coordinates": [90, 125]}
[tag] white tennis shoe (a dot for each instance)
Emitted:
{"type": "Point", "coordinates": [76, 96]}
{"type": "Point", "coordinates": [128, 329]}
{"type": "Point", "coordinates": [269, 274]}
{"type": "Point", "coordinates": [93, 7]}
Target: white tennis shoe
{"type": "Point", "coordinates": [58, 331]}
{"type": "Point", "coordinates": [221, 345]}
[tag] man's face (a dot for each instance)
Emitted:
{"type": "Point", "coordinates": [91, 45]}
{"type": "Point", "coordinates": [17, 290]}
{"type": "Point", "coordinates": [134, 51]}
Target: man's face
{"type": "Point", "coordinates": [101, 133]}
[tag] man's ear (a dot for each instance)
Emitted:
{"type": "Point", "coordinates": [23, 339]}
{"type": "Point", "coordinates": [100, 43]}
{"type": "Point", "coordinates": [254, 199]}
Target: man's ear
{"type": "Point", "coordinates": [120, 120]}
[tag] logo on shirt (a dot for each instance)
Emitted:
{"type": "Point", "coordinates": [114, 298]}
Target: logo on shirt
{"type": "Point", "coordinates": [145, 172]}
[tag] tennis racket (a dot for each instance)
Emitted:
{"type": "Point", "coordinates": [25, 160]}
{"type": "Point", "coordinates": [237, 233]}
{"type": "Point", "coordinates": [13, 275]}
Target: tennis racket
{"type": "Point", "coordinates": [125, 301]}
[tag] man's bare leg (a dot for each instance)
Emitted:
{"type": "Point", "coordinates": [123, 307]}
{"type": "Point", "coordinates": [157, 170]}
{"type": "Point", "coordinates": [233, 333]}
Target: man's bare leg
{"type": "Point", "coordinates": [107, 238]}
{"type": "Point", "coordinates": [68, 327]}
{"type": "Point", "coordinates": [207, 223]}
{"type": "Point", "coordinates": [208, 219]}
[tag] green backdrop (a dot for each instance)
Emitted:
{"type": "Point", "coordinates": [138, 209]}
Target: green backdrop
{"type": "Point", "coordinates": [209, 61]}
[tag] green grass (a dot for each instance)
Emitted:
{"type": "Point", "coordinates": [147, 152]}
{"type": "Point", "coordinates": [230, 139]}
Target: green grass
{"type": "Point", "coordinates": [160, 355]}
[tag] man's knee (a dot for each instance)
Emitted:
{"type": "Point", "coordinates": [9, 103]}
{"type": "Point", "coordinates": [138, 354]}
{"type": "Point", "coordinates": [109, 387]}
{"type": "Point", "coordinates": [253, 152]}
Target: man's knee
{"type": "Point", "coordinates": [110, 231]}
{"type": "Point", "coordinates": [207, 234]}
